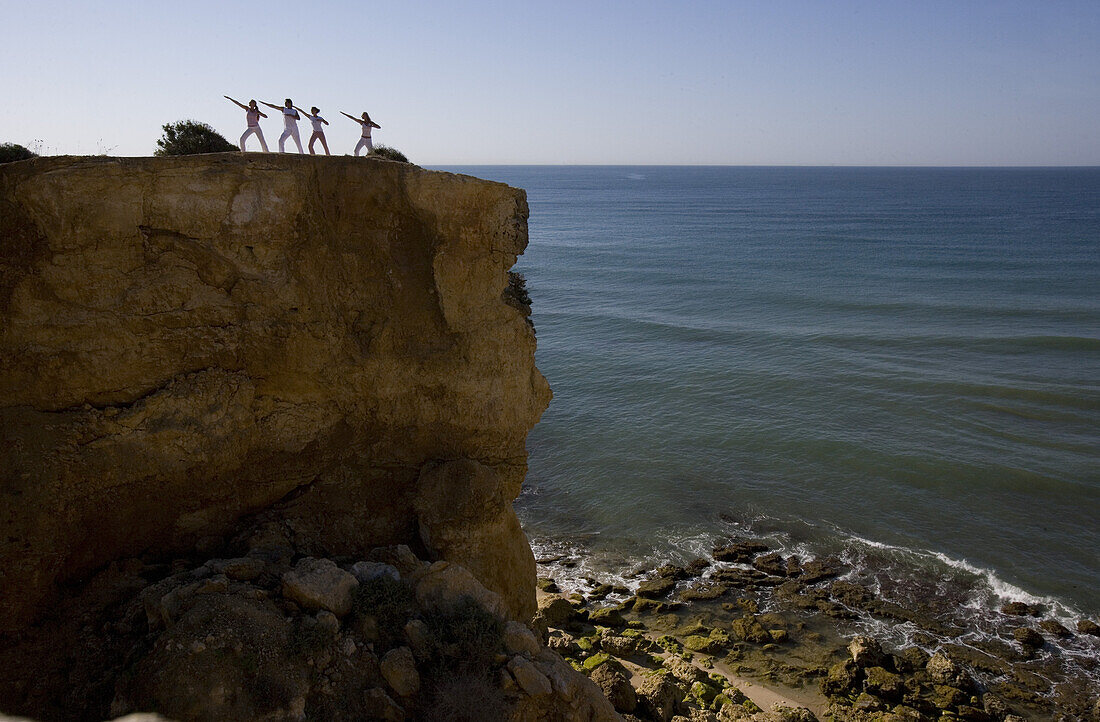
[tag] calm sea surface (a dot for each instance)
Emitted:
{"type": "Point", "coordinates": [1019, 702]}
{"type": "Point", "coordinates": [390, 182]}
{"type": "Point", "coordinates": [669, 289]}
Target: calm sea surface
{"type": "Point", "coordinates": [901, 366]}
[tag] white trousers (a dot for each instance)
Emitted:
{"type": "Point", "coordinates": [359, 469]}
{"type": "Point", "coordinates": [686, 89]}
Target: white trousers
{"type": "Point", "coordinates": [291, 131]}
{"type": "Point", "coordinates": [365, 141]}
{"type": "Point", "coordinates": [318, 135]}
{"type": "Point", "coordinates": [254, 130]}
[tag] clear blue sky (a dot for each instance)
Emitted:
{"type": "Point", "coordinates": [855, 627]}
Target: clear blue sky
{"type": "Point", "coordinates": [760, 82]}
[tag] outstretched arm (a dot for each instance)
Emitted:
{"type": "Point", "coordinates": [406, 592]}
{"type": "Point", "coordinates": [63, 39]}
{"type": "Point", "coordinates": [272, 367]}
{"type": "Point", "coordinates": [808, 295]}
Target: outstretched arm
{"type": "Point", "coordinates": [308, 115]}
{"type": "Point", "coordinates": [237, 102]}
{"type": "Point", "coordinates": [276, 107]}
{"type": "Point", "coordinates": [352, 117]}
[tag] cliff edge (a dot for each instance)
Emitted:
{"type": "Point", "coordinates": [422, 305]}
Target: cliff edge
{"type": "Point", "coordinates": [188, 342]}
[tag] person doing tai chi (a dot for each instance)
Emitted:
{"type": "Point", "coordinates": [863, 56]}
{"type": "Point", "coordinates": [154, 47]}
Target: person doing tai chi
{"type": "Point", "coordinates": [319, 123]}
{"type": "Point", "coordinates": [252, 116]}
{"type": "Point", "coordinates": [367, 124]}
{"type": "Point", "coordinates": [290, 124]}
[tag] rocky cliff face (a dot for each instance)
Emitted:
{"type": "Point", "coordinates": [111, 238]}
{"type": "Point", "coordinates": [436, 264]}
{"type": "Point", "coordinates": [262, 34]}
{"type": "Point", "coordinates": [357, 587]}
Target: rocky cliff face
{"type": "Point", "coordinates": [185, 342]}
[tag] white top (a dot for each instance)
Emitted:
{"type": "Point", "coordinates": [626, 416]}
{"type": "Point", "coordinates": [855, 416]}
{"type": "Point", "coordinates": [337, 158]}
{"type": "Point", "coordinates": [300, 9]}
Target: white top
{"type": "Point", "coordinates": [366, 128]}
{"type": "Point", "coordinates": [253, 117]}
{"type": "Point", "coordinates": [290, 117]}
{"type": "Point", "coordinates": [318, 126]}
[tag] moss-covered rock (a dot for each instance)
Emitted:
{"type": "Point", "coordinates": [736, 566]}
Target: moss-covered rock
{"type": "Point", "coordinates": [607, 616]}
{"type": "Point", "coordinates": [748, 629]}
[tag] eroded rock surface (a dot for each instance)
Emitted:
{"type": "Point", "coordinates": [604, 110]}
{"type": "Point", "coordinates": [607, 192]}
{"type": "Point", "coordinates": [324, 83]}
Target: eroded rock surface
{"type": "Point", "coordinates": [186, 341]}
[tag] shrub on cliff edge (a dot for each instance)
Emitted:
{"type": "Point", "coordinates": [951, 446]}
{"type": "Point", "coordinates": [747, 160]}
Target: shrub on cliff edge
{"type": "Point", "coordinates": [190, 137]}
{"type": "Point", "coordinates": [384, 151]}
{"type": "Point", "coordinates": [11, 152]}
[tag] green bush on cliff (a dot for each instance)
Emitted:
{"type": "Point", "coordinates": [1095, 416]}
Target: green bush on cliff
{"type": "Point", "coordinates": [385, 151]}
{"type": "Point", "coordinates": [11, 152]}
{"type": "Point", "coordinates": [515, 295]}
{"type": "Point", "coordinates": [190, 137]}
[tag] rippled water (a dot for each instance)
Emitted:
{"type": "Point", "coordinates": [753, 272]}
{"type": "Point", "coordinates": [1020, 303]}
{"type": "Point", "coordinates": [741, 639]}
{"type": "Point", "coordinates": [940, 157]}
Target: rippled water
{"type": "Point", "coordinates": [850, 360]}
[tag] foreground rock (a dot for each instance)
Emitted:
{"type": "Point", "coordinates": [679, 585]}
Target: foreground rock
{"type": "Point", "coordinates": [195, 645]}
{"type": "Point", "coordinates": [184, 341]}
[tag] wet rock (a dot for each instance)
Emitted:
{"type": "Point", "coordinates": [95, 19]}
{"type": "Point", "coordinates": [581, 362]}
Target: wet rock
{"type": "Point", "coordinates": [672, 571]}
{"type": "Point", "coordinates": [562, 643]}
{"type": "Point", "coordinates": [1020, 609]}
{"type": "Point", "coordinates": [399, 669]}
{"type": "Point", "coordinates": [320, 584]}
{"type": "Point", "coordinates": [547, 585]}
{"type": "Point", "coordinates": [911, 659]}
{"type": "Point", "coordinates": [748, 629]}
{"type": "Point", "coordinates": [994, 706]}
{"type": "Point", "coordinates": [818, 570]}
{"type": "Point", "coordinates": [607, 617]}
{"type": "Point", "coordinates": [866, 702]}
{"type": "Point", "coordinates": [1053, 628]}
{"type": "Point", "coordinates": [974, 714]}
{"type": "Point", "coordinates": [614, 681]}
{"type": "Point", "coordinates": [792, 714]}
{"type": "Point", "coordinates": [904, 713]}
{"type": "Point", "coordinates": [740, 551]}
{"type": "Point", "coordinates": [657, 697]}
{"type": "Point", "coordinates": [747, 579]}
{"type": "Point", "coordinates": [1087, 626]}
{"type": "Point", "coordinates": [867, 652]}
{"type": "Point", "coordinates": [944, 671]}
{"type": "Point", "coordinates": [1028, 637]}
{"type": "Point", "coordinates": [655, 588]}
{"type": "Point", "coordinates": [947, 697]}
{"type": "Point", "coordinates": [704, 692]}
{"type": "Point", "coordinates": [652, 606]}
{"type": "Point", "coordinates": [842, 679]}
{"type": "Point", "coordinates": [774, 564]}
{"type": "Point", "coordinates": [618, 645]}
{"type": "Point", "coordinates": [713, 643]}
{"type": "Point", "coordinates": [853, 595]}
{"type": "Point", "coordinates": [697, 566]}
{"type": "Point", "coordinates": [557, 611]}
{"type": "Point", "coordinates": [883, 683]}
{"type": "Point", "coordinates": [684, 672]}
{"type": "Point", "coordinates": [704, 591]}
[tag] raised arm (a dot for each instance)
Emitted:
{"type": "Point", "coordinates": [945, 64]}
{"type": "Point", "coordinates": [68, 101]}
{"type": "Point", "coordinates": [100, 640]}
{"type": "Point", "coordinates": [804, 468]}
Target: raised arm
{"type": "Point", "coordinates": [308, 115]}
{"type": "Point", "coordinates": [270, 105]}
{"type": "Point", "coordinates": [357, 120]}
{"type": "Point", "coordinates": [237, 102]}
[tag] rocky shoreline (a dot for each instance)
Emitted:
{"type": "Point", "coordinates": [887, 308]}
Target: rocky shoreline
{"type": "Point", "coordinates": [747, 616]}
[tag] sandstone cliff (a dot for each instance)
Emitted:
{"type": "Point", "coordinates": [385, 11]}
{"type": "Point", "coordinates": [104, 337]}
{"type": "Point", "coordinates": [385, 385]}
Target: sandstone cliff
{"type": "Point", "coordinates": [185, 342]}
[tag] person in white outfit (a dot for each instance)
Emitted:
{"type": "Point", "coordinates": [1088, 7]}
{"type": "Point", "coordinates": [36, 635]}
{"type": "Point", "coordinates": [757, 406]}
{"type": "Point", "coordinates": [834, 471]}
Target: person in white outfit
{"type": "Point", "coordinates": [290, 124]}
{"type": "Point", "coordinates": [364, 141]}
{"type": "Point", "coordinates": [252, 116]}
{"type": "Point", "coordinates": [319, 124]}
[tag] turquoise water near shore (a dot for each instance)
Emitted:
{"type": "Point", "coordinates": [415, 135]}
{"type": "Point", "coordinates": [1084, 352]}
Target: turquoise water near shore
{"type": "Point", "coordinates": [901, 366]}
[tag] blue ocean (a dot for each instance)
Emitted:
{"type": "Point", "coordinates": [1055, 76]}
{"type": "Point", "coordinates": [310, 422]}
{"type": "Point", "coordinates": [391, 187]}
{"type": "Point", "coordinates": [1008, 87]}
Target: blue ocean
{"type": "Point", "coordinates": [900, 366]}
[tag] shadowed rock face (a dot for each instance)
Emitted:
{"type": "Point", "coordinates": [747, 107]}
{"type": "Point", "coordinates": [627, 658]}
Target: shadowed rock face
{"type": "Point", "coordinates": [186, 341]}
